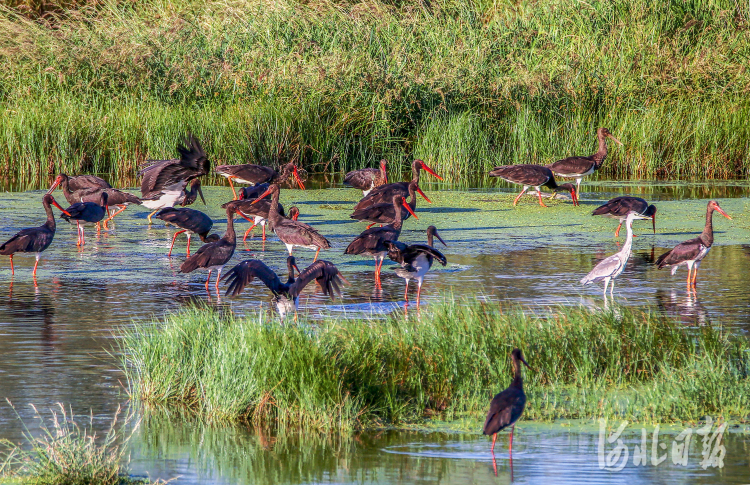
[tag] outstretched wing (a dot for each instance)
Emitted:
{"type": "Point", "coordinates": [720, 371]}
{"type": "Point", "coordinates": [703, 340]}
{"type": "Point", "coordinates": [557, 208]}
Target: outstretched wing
{"type": "Point", "coordinates": [192, 163]}
{"type": "Point", "coordinates": [414, 250]}
{"type": "Point", "coordinates": [244, 273]}
{"type": "Point", "coordinates": [325, 273]}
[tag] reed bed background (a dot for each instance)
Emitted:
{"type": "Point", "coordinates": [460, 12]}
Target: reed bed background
{"type": "Point", "coordinates": [350, 374]}
{"type": "Point", "coordinates": [98, 86]}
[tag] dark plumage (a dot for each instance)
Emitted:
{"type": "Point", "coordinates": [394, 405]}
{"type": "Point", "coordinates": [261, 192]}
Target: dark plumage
{"type": "Point", "coordinates": [114, 198]}
{"type": "Point", "coordinates": [385, 213]}
{"type": "Point", "coordinates": [692, 251]}
{"type": "Point", "coordinates": [87, 213]}
{"type": "Point", "coordinates": [73, 187]}
{"type": "Point", "coordinates": [373, 241]}
{"type": "Point", "coordinates": [214, 255]}
{"type": "Point", "coordinates": [620, 207]}
{"type": "Point", "coordinates": [258, 174]}
{"type": "Point", "coordinates": [35, 239]}
{"type": "Point", "coordinates": [164, 181]}
{"type": "Point", "coordinates": [256, 209]}
{"type": "Point", "coordinates": [506, 407]}
{"type": "Point", "coordinates": [367, 179]}
{"type": "Point", "coordinates": [286, 295]}
{"type": "Point", "coordinates": [385, 193]}
{"type": "Point", "coordinates": [292, 233]}
{"type": "Point", "coordinates": [415, 259]}
{"type": "Point", "coordinates": [190, 221]}
{"type": "Point", "coordinates": [579, 167]}
{"type": "Point", "coordinates": [535, 176]}
{"type": "Point", "coordinates": [192, 195]}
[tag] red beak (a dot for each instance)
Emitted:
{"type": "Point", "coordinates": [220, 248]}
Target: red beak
{"type": "Point", "coordinates": [423, 196]}
{"type": "Point", "coordinates": [54, 186]}
{"type": "Point", "coordinates": [296, 177]}
{"type": "Point", "coordinates": [54, 202]}
{"type": "Point", "coordinates": [430, 171]}
{"type": "Point", "coordinates": [385, 174]}
{"type": "Point", "coordinates": [720, 211]}
{"type": "Point", "coordinates": [403, 201]}
{"type": "Point", "coordinates": [267, 192]}
{"type": "Point", "coordinates": [653, 222]}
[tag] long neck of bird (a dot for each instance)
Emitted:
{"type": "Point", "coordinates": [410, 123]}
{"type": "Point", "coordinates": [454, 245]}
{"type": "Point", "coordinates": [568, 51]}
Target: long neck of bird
{"type": "Point", "coordinates": [518, 378]}
{"type": "Point", "coordinates": [628, 238]}
{"type": "Point", "coordinates": [429, 239]}
{"type": "Point", "coordinates": [230, 234]}
{"type": "Point", "coordinates": [399, 221]}
{"type": "Point", "coordinates": [50, 217]}
{"type": "Point", "coordinates": [600, 154]}
{"type": "Point", "coordinates": [273, 211]}
{"type": "Point", "coordinates": [66, 189]}
{"type": "Point", "coordinates": [415, 169]}
{"type": "Point", "coordinates": [707, 236]}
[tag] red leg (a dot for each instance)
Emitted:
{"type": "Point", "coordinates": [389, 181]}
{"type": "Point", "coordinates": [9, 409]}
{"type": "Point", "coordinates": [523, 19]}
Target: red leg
{"type": "Point", "coordinates": [188, 248]}
{"type": "Point", "coordinates": [512, 428]}
{"type": "Point", "coordinates": [539, 193]}
{"type": "Point", "coordinates": [232, 185]}
{"type": "Point", "coordinates": [370, 225]}
{"type": "Point", "coordinates": [264, 232]}
{"type": "Point", "coordinates": [419, 292]}
{"type": "Point", "coordinates": [35, 265]}
{"type": "Point", "coordinates": [173, 238]}
{"type": "Point", "coordinates": [218, 277]}
{"type": "Point", "coordinates": [248, 232]}
{"type": "Point", "coordinates": [208, 279]}
{"type": "Point", "coordinates": [316, 255]}
{"type": "Point", "coordinates": [617, 232]}
{"type": "Point", "coordinates": [12, 269]}
{"type": "Point", "coordinates": [78, 228]}
{"type": "Point", "coordinates": [406, 291]}
{"type": "Point", "coordinates": [515, 201]}
{"type": "Point", "coordinates": [494, 437]}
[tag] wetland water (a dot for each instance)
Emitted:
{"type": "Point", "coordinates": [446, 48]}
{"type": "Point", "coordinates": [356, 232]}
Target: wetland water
{"type": "Point", "coordinates": [55, 336]}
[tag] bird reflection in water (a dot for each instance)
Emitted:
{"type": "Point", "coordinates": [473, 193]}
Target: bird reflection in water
{"type": "Point", "coordinates": [686, 308]}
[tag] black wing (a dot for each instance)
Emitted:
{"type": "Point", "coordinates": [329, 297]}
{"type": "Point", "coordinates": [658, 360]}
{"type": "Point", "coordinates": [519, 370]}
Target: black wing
{"type": "Point", "coordinates": [396, 250]}
{"type": "Point", "coordinates": [572, 165]}
{"type": "Point", "coordinates": [87, 182]}
{"type": "Point", "coordinates": [620, 206]}
{"type": "Point", "coordinates": [532, 175]}
{"type": "Point", "coordinates": [325, 273]}
{"type": "Point", "coordinates": [244, 273]}
{"type": "Point", "coordinates": [505, 409]}
{"type": "Point", "coordinates": [192, 163]}
{"type": "Point", "coordinates": [414, 250]}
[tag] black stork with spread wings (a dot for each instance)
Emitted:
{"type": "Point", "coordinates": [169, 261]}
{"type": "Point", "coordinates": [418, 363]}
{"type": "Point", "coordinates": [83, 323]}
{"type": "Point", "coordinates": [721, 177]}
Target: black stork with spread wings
{"type": "Point", "coordinates": [416, 259]}
{"type": "Point", "coordinates": [164, 181]}
{"type": "Point", "coordinates": [286, 295]}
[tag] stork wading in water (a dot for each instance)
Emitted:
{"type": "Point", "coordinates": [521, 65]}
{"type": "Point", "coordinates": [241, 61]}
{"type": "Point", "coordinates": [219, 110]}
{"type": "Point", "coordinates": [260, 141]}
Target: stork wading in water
{"type": "Point", "coordinates": [251, 205]}
{"type": "Point", "coordinates": [611, 267]}
{"type": "Point", "coordinates": [73, 187]}
{"type": "Point", "coordinates": [83, 213]}
{"type": "Point", "coordinates": [163, 181]}
{"type": "Point", "coordinates": [507, 407]}
{"type": "Point", "coordinates": [286, 295]}
{"type": "Point", "coordinates": [620, 207]}
{"type": "Point", "coordinates": [258, 174]}
{"type": "Point", "coordinates": [367, 179]}
{"type": "Point", "coordinates": [691, 252]}
{"type": "Point", "coordinates": [191, 221]}
{"type": "Point", "coordinates": [213, 256]}
{"type": "Point", "coordinates": [34, 239]}
{"type": "Point", "coordinates": [415, 260]}
{"type": "Point", "coordinates": [292, 233]}
{"type": "Point", "coordinates": [385, 193]}
{"type": "Point", "coordinates": [385, 213]}
{"type": "Point", "coordinates": [578, 167]}
{"type": "Point", "coordinates": [373, 241]}
{"type": "Point", "coordinates": [535, 176]}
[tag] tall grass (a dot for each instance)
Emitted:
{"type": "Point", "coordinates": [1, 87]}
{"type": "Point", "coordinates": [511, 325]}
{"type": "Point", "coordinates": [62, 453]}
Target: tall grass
{"type": "Point", "coordinates": [338, 84]}
{"type": "Point", "coordinates": [68, 454]}
{"type": "Point", "coordinates": [346, 374]}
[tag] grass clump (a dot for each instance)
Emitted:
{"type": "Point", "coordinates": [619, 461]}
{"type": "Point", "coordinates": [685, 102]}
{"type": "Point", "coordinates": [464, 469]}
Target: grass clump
{"type": "Point", "coordinates": [346, 374]}
{"type": "Point", "coordinates": [336, 85]}
{"type": "Point", "coordinates": [68, 454]}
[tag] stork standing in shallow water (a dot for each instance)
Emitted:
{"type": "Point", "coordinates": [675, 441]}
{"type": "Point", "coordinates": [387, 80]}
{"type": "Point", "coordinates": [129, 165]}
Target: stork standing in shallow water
{"type": "Point", "coordinates": [34, 239]}
{"type": "Point", "coordinates": [188, 220]}
{"type": "Point", "coordinates": [415, 259]}
{"type": "Point", "coordinates": [691, 252]}
{"type": "Point", "coordinates": [73, 187]}
{"type": "Point", "coordinates": [611, 267]}
{"type": "Point", "coordinates": [385, 193]}
{"type": "Point", "coordinates": [620, 207]}
{"type": "Point", "coordinates": [578, 167]}
{"type": "Point", "coordinates": [532, 176]}
{"type": "Point", "coordinates": [213, 256]}
{"type": "Point", "coordinates": [87, 213]}
{"type": "Point", "coordinates": [286, 295]}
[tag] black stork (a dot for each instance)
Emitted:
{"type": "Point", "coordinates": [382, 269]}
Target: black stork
{"type": "Point", "coordinates": [292, 233]}
{"type": "Point", "coordinates": [373, 241]}
{"type": "Point", "coordinates": [506, 407]}
{"type": "Point", "coordinates": [385, 213]}
{"type": "Point", "coordinates": [579, 167]}
{"type": "Point", "coordinates": [293, 213]}
{"type": "Point", "coordinates": [367, 179]}
{"type": "Point", "coordinates": [535, 176]}
{"type": "Point", "coordinates": [258, 174]}
{"type": "Point", "coordinates": [416, 259]}
{"type": "Point", "coordinates": [34, 239]}
{"type": "Point", "coordinates": [214, 255]}
{"type": "Point", "coordinates": [72, 187]}
{"type": "Point", "coordinates": [115, 197]}
{"type": "Point", "coordinates": [286, 295]}
{"type": "Point", "coordinates": [247, 207]}
{"type": "Point", "coordinates": [87, 213]}
{"type": "Point", "coordinates": [190, 196]}
{"type": "Point", "coordinates": [620, 207]}
{"type": "Point", "coordinates": [385, 192]}
{"type": "Point", "coordinates": [692, 251]}
{"type": "Point", "coordinates": [164, 181]}
{"type": "Point", "coordinates": [188, 220]}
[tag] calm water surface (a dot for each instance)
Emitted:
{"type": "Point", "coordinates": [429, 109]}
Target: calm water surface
{"type": "Point", "coordinates": [56, 337]}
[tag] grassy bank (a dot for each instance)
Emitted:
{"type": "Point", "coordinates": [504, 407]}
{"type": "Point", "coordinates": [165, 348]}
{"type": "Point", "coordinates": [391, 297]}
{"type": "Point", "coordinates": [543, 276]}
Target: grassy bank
{"type": "Point", "coordinates": [337, 85]}
{"type": "Point", "coordinates": [350, 374]}
{"type": "Point", "coordinates": [66, 453]}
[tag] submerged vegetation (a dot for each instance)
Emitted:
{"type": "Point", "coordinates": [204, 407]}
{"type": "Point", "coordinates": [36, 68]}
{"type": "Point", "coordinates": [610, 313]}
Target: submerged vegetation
{"type": "Point", "coordinates": [68, 454]}
{"type": "Point", "coordinates": [95, 86]}
{"type": "Point", "coordinates": [447, 364]}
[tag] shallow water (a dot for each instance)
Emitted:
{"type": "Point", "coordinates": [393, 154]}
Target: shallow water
{"type": "Point", "coordinates": [55, 336]}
